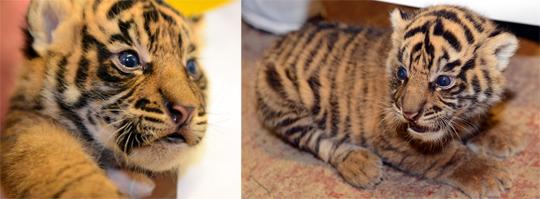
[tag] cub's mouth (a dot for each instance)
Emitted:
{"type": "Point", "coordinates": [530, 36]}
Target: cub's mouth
{"type": "Point", "coordinates": [425, 133]}
{"type": "Point", "coordinates": [411, 126]}
{"type": "Point", "coordinates": [174, 138]}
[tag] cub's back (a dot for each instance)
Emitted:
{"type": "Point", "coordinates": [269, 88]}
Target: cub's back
{"type": "Point", "coordinates": [321, 67]}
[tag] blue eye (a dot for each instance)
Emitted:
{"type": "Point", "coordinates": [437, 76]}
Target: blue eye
{"type": "Point", "coordinates": [443, 81]}
{"type": "Point", "coordinates": [191, 67]}
{"type": "Point", "coordinates": [401, 73]}
{"type": "Point", "coordinates": [129, 59]}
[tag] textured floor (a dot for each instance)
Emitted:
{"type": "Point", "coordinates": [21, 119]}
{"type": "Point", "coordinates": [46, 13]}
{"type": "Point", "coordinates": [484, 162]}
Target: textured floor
{"type": "Point", "coordinates": [273, 169]}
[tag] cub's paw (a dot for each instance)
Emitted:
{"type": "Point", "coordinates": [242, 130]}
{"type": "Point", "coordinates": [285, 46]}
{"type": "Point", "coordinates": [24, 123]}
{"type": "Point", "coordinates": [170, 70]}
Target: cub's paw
{"type": "Point", "coordinates": [500, 145]}
{"type": "Point", "coordinates": [481, 178]}
{"type": "Point", "coordinates": [361, 168]}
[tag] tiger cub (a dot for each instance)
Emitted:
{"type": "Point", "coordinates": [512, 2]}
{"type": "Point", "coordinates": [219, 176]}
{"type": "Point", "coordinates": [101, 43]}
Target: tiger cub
{"type": "Point", "coordinates": [106, 84]}
{"type": "Point", "coordinates": [411, 98]}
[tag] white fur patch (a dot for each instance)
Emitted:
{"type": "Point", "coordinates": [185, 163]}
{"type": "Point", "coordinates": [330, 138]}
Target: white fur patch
{"type": "Point", "coordinates": [72, 94]}
{"type": "Point", "coordinates": [427, 136]}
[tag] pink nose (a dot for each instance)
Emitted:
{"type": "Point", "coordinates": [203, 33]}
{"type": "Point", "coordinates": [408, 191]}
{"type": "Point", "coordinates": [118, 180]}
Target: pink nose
{"type": "Point", "coordinates": [180, 114]}
{"type": "Point", "coordinates": [410, 115]}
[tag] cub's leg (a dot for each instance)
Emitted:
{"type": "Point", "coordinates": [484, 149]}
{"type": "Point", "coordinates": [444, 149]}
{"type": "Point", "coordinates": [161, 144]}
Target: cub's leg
{"type": "Point", "coordinates": [475, 175]}
{"type": "Point", "coordinates": [357, 165]}
{"type": "Point", "coordinates": [498, 143]}
{"type": "Point", "coordinates": [42, 160]}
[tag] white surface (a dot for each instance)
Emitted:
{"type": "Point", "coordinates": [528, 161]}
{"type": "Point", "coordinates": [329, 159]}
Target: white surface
{"type": "Point", "coordinates": [217, 174]}
{"type": "Point", "coordinates": [519, 11]}
{"type": "Point", "coordinates": [275, 16]}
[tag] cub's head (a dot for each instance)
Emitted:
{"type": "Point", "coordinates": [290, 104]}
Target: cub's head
{"type": "Point", "coordinates": [445, 67]}
{"type": "Point", "coordinates": [123, 75]}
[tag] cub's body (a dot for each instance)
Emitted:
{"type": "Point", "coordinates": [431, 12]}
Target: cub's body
{"type": "Point", "coordinates": [104, 85]}
{"type": "Point", "coordinates": [332, 90]}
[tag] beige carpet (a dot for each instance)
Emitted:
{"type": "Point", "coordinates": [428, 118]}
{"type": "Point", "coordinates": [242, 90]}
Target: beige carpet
{"type": "Point", "coordinates": [273, 169]}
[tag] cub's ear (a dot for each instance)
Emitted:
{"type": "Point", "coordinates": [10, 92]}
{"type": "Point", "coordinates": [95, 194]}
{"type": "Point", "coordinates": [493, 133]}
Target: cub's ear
{"type": "Point", "coordinates": [500, 47]}
{"type": "Point", "coordinates": [52, 20]}
{"type": "Point", "coordinates": [399, 19]}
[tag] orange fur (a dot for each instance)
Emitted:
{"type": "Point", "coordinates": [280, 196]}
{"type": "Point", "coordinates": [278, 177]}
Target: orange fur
{"type": "Point", "coordinates": [333, 90]}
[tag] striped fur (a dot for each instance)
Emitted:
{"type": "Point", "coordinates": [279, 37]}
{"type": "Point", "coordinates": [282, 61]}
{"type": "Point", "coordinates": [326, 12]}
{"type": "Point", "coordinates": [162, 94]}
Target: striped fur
{"type": "Point", "coordinates": [76, 111]}
{"type": "Point", "coordinates": [332, 90]}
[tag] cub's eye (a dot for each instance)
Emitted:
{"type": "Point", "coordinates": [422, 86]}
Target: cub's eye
{"type": "Point", "coordinates": [443, 81]}
{"type": "Point", "coordinates": [191, 67]}
{"type": "Point", "coordinates": [401, 73]}
{"type": "Point", "coordinates": [129, 59]}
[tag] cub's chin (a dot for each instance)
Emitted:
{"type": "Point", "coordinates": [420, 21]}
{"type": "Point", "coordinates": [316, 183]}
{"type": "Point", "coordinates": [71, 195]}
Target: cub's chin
{"type": "Point", "coordinates": [424, 133]}
{"type": "Point", "coordinates": [163, 155]}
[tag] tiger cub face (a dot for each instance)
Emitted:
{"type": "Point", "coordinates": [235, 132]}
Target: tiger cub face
{"type": "Point", "coordinates": [445, 68]}
{"type": "Point", "coordinates": [125, 75]}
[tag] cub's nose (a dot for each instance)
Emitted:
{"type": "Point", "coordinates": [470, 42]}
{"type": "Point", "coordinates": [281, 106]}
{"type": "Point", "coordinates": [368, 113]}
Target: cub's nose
{"type": "Point", "coordinates": [179, 114]}
{"type": "Point", "coordinates": [411, 116]}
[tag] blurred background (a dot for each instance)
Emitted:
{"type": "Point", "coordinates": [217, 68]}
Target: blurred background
{"type": "Point", "coordinates": [273, 169]}
{"type": "Point", "coordinates": [216, 173]}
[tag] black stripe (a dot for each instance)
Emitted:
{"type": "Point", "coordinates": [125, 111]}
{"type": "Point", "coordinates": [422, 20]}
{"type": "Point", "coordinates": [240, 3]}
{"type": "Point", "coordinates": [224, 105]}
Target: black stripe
{"type": "Point", "coordinates": [119, 38]}
{"type": "Point", "coordinates": [495, 33]}
{"type": "Point", "coordinates": [452, 65]}
{"type": "Point", "coordinates": [118, 7]}
{"type": "Point", "coordinates": [274, 80]}
{"type": "Point", "coordinates": [416, 48]}
{"type": "Point", "coordinates": [311, 54]}
{"type": "Point", "coordinates": [141, 103]}
{"type": "Point", "coordinates": [416, 30]}
{"type": "Point", "coordinates": [444, 56]}
{"type": "Point", "coordinates": [180, 43]}
{"type": "Point", "coordinates": [429, 49]}
{"type": "Point", "coordinates": [322, 122]}
{"type": "Point", "coordinates": [268, 112]}
{"type": "Point", "coordinates": [476, 85]}
{"type": "Point", "coordinates": [90, 118]}
{"type": "Point", "coordinates": [82, 101]}
{"type": "Point", "coordinates": [468, 34]}
{"type": "Point", "coordinates": [124, 27]}
{"type": "Point", "coordinates": [293, 130]}
{"type": "Point", "coordinates": [444, 14]}
{"type": "Point", "coordinates": [453, 17]}
{"type": "Point", "coordinates": [105, 75]}
{"type": "Point", "coordinates": [475, 23]}
{"type": "Point", "coordinates": [150, 15]}
{"type": "Point", "coordinates": [317, 147]}
{"type": "Point", "coordinates": [167, 18]}
{"type": "Point", "coordinates": [400, 55]}
{"type": "Point", "coordinates": [449, 104]}
{"type": "Point", "coordinates": [152, 119]}
{"type": "Point", "coordinates": [467, 66]}
{"type": "Point", "coordinates": [448, 36]}
{"type": "Point", "coordinates": [60, 75]}
{"type": "Point", "coordinates": [460, 89]}
{"type": "Point", "coordinates": [489, 90]}
{"type": "Point", "coordinates": [315, 86]}
{"type": "Point", "coordinates": [28, 50]}
{"type": "Point", "coordinates": [70, 115]}
{"type": "Point", "coordinates": [82, 73]}
{"type": "Point", "coordinates": [96, 3]}
{"type": "Point", "coordinates": [287, 121]}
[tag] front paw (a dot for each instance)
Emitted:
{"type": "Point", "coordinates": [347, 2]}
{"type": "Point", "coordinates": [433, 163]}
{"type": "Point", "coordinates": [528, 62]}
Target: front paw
{"type": "Point", "coordinates": [500, 145]}
{"type": "Point", "coordinates": [361, 168]}
{"type": "Point", "coordinates": [481, 178]}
